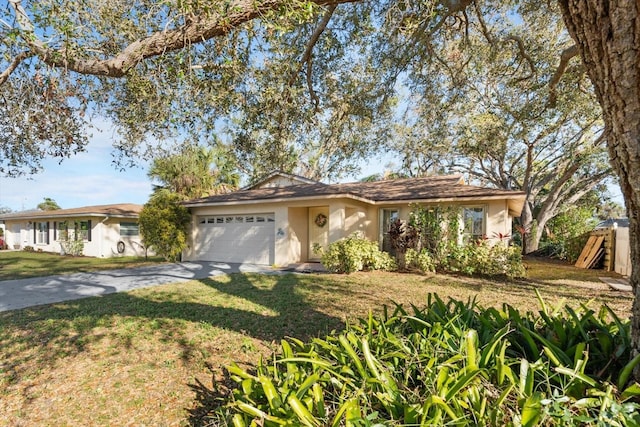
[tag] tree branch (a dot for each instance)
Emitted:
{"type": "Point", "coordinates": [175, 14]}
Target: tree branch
{"type": "Point", "coordinates": [14, 64]}
{"type": "Point", "coordinates": [525, 55]}
{"type": "Point", "coordinates": [566, 55]}
{"type": "Point", "coordinates": [196, 30]}
{"type": "Point", "coordinates": [306, 57]}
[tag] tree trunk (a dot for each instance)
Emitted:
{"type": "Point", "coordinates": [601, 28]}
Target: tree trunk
{"type": "Point", "coordinates": [536, 233]}
{"type": "Point", "coordinates": [529, 241]}
{"type": "Point", "coordinates": [608, 36]}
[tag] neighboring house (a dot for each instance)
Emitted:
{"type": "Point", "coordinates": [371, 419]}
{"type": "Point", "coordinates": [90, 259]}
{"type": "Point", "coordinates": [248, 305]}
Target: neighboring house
{"type": "Point", "coordinates": [106, 230]}
{"type": "Point", "coordinates": [279, 219]}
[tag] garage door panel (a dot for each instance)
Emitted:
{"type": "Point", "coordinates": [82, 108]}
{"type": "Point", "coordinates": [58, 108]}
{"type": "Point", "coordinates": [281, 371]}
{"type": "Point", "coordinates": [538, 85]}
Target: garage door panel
{"type": "Point", "coordinates": [236, 238]}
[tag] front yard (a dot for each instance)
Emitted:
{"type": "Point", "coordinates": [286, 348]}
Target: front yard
{"type": "Point", "coordinates": [135, 358]}
{"type": "Point", "coordinates": [21, 265]}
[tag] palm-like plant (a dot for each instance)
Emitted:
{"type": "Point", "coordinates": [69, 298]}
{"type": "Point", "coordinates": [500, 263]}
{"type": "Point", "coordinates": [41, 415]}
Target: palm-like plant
{"type": "Point", "coordinates": [195, 171]}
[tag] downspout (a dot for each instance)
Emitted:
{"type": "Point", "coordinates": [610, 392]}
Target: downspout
{"type": "Point", "coordinates": [101, 236]}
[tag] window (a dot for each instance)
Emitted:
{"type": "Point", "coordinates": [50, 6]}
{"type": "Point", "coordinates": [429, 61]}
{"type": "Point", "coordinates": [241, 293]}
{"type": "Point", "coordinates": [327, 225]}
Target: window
{"type": "Point", "coordinates": [83, 230]}
{"type": "Point", "coordinates": [63, 230]}
{"type": "Point", "coordinates": [387, 217]}
{"type": "Point", "coordinates": [129, 229]}
{"type": "Point", "coordinates": [42, 233]}
{"type": "Point", "coordinates": [473, 223]}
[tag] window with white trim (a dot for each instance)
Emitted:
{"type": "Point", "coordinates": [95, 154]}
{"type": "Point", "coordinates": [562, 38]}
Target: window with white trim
{"type": "Point", "coordinates": [42, 233]}
{"type": "Point", "coordinates": [83, 230]}
{"type": "Point", "coordinates": [387, 217]}
{"type": "Point", "coordinates": [63, 231]}
{"type": "Point", "coordinates": [473, 223]}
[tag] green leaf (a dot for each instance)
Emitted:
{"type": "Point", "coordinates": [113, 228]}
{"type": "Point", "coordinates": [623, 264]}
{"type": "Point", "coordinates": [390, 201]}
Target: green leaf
{"type": "Point", "coordinates": [270, 392]}
{"type": "Point", "coordinates": [627, 370]}
{"type": "Point", "coordinates": [353, 355]}
{"type": "Point", "coordinates": [306, 384]}
{"type": "Point", "coordinates": [301, 411]}
{"type": "Point", "coordinates": [532, 410]}
{"type": "Point", "coordinates": [582, 377]}
{"type": "Point", "coordinates": [632, 391]}
{"type": "Point", "coordinates": [462, 382]}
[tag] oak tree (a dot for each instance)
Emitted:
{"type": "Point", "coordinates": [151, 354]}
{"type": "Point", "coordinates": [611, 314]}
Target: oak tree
{"type": "Point", "coordinates": [151, 65]}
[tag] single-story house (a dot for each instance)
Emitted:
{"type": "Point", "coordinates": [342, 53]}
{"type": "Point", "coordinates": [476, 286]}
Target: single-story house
{"type": "Point", "coordinates": [279, 220]}
{"type": "Point", "coordinates": [105, 230]}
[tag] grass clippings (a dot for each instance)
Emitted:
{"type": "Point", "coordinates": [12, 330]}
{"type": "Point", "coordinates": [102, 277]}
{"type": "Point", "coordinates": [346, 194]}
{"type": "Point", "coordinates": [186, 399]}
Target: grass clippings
{"type": "Point", "coordinates": [134, 358]}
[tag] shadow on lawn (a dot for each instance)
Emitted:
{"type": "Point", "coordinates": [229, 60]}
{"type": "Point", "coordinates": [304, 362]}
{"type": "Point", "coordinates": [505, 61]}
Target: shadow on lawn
{"type": "Point", "coordinates": [268, 313]}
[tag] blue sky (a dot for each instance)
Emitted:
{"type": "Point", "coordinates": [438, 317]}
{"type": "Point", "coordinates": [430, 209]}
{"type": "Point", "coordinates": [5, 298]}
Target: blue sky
{"type": "Point", "coordinates": [85, 179]}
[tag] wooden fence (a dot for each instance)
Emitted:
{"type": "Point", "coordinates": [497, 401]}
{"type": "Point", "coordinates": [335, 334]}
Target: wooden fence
{"type": "Point", "coordinates": [609, 245]}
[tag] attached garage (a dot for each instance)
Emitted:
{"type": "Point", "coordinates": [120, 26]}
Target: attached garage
{"type": "Point", "coordinates": [248, 238]}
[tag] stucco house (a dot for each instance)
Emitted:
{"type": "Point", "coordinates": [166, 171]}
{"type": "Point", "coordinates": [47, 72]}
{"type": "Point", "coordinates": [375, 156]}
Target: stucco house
{"type": "Point", "coordinates": [278, 220]}
{"type": "Point", "coordinates": [105, 230]}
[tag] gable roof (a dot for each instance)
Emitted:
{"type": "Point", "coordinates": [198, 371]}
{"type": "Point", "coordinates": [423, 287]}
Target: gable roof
{"type": "Point", "coordinates": [121, 210]}
{"type": "Point", "coordinates": [409, 190]}
{"type": "Point", "coordinates": [278, 173]}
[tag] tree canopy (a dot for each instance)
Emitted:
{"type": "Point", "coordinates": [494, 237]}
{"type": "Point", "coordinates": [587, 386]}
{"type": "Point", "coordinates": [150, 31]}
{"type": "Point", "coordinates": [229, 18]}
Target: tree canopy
{"type": "Point", "coordinates": [489, 112]}
{"type": "Point", "coordinates": [48, 204]}
{"type": "Point", "coordinates": [304, 82]}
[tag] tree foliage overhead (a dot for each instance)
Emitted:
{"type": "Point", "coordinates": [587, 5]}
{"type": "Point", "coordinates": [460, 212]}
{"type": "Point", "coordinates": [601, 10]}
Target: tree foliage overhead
{"type": "Point", "coordinates": [163, 70]}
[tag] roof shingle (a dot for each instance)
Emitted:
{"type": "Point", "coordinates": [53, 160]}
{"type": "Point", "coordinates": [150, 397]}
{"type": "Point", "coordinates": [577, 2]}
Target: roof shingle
{"type": "Point", "coordinates": [409, 189]}
{"type": "Point", "coordinates": [125, 210]}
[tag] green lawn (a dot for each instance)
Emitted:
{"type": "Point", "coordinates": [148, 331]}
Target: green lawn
{"type": "Point", "coordinates": [139, 358]}
{"type": "Point", "coordinates": [20, 264]}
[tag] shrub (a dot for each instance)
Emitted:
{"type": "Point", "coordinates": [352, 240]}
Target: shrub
{"type": "Point", "coordinates": [71, 246]}
{"type": "Point", "coordinates": [447, 364]}
{"type": "Point", "coordinates": [420, 261]}
{"type": "Point", "coordinates": [353, 254]}
{"type": "Point", "coordinates": [429, 242]}
{"type": "Point", "coordinates": [564, 233]}
{"type": "Point", "coordinates": [163, 225]}
{"type": "Point", "coordinates": [28, 249]}
{"type": "Point", "coordinates": [496, 260]}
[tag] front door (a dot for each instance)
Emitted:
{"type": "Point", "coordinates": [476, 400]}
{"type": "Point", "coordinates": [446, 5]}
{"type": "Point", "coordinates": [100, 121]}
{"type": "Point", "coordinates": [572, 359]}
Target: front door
{"type": "Point", "coordinates": [318, 230]}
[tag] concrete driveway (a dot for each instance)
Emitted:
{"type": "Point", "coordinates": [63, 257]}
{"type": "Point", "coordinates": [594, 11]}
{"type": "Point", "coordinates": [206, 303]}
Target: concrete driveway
{"type": "Point", "coordinates": [15, 294]}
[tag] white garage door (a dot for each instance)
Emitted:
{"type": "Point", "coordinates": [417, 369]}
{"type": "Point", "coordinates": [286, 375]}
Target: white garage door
{"type": "Point", "coordinates": [236, 238]}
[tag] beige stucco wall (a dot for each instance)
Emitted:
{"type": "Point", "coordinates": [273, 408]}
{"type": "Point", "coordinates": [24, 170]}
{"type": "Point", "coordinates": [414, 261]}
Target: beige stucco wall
{"type": "Point", "coordinates": [346, 216]}
{"type": "Point", "coordinates": [105, 235]}
{"type": "Point", "coordinates": [291, 224]}
{"type": "Point", "coordinates": [497, 218]}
